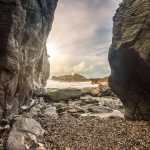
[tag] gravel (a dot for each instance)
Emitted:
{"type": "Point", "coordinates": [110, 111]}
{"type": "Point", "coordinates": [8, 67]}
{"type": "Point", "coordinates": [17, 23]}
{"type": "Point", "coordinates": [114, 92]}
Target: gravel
{"type": "Point", "coordinates": [93, 133]}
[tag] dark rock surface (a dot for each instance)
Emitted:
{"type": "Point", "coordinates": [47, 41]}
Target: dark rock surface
{"type": "Point", "coordinates": [129, 58]}
{"type": "Point", "coordinates": [24, 66]}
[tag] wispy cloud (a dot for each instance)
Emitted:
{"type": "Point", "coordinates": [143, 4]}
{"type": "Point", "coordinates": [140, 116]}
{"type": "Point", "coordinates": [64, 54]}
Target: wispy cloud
{"type": "Point", "coordinates": [81, 34]}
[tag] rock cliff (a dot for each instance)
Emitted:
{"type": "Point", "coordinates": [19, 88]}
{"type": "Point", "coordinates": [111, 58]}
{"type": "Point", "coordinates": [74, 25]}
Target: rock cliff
{"type": "Point", "coordinates": [129, 58]}
{"type": "Point", "coordinates": [24, 66]}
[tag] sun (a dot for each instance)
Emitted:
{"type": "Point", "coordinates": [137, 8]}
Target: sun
{"type": "Point", "coordinates": [52, 49]}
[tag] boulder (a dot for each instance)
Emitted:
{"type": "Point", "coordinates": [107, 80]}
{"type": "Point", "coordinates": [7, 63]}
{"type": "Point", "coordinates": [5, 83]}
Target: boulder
{"type": "Point", "coordinates": [62, 94]}
{"type": "Point", "coordinates": [129, 58]}
{"type": "Point", "coordinates": [25, 135]}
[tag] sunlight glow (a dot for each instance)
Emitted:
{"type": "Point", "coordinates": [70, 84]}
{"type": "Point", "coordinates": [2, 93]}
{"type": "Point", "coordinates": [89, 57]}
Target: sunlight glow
{"type": "Point", "coordinates": [116, 1]}
{"type": "Point", "coordinates": [52, 49]}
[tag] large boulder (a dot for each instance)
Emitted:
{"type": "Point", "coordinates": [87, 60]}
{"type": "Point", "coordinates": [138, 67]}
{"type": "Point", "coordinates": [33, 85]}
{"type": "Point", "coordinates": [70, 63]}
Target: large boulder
{"type": "Point", "coordinates": [62, 94]}
{"type": "Point", "coordinates": [129, 58]}
{"type": "Point", "coordinates": [24, 65]}
{"type": "Point", "coordinates": [25, 134]}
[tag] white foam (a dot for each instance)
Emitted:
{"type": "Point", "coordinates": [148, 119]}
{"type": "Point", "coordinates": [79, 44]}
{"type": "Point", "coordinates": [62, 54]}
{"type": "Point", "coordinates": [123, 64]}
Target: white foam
{"type": "Point", "coordinates": [61, 85]}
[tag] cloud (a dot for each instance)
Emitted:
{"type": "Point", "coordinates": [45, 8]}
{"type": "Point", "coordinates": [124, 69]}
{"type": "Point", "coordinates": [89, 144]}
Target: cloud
{"type": "Point", "coordinates": [81, 33]}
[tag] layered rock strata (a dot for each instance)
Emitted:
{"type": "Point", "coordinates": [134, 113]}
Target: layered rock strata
{"type": "Point", "coordinates": [24, 66]}
{"type": "Point", "coordinates": [129, 58]}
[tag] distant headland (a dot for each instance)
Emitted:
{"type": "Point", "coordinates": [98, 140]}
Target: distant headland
{"type": "Point", "coordinates": [70, 78]}
{"type": "Point", "coordinates": [80, 78]}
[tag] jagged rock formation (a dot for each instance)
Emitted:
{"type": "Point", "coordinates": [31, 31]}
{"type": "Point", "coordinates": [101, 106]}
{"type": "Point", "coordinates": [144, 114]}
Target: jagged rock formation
{"type": "Point", "coordinates": [129, 58]}
{"type": "Point", "coordinates": [24, 66]}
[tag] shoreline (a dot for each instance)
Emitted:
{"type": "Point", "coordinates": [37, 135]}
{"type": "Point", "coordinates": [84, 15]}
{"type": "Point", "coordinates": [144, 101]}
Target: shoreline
{"type": "Point", "coordinates": [62, 125]}
{"type": "Point", "coordinates": [57, 84]}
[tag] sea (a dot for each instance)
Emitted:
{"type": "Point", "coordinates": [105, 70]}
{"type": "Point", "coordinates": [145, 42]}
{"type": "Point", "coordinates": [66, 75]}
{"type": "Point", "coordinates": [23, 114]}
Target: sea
{"type": "Point", "coordinates": [60, 85]}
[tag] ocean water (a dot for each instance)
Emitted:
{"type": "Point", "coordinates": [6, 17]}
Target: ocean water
{"type": "Point", "coordinates": [61, 85]}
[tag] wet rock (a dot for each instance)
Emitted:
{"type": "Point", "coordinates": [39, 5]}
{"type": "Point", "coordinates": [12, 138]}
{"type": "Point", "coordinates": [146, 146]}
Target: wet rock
{"type": "Point", "coordinates": [24, 134]}
{"type": "Point", "coordinates": [106, 92]}
{"type": "Point", "coordinates": [89, 99]}
{"type": "Point", "coordinates": [106, 116]}
{"type": "Point", "coordinates": [72, 110]}
{"type": "Point", "coordinates": [51, 111]}
{"type": "Point", "coordinates": [99, 109]}
{"type": "Point", "coordinates": [35, 111]}
{"type": "Point", "coordinates": [61, 107]}
{"type": "Point", "coordinates": [95, 92]}
{"type": "Point", "coordinates": [102, 90]}
{"type": "Point", "coordinates": [75, 103]}
{"type": "Point", "coordinates": [113, 103]}
{"type": "Point", "coordinates": [87, 91]}
{"type": "Point", "coordinates": [82, 109]}
{"type": "Point", "coordinates": [129, 58]}
{"type": "Point", "coordinates": [62, 94]}
{"type": "Point", "coordinates": [109, 102]}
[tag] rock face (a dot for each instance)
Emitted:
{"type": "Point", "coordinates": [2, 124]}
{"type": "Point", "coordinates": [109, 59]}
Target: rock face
{"type": "Point", "coordinates": [129, 58]}
{"type": "Point", "coordinates": [24, 66]}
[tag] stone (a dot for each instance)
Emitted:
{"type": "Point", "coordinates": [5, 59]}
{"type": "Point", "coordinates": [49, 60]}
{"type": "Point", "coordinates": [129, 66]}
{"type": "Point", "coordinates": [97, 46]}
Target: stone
{"type": "Point", "coordinates": [106, 92]}
{"type": "Point", "coordinates": [61, 107]}
{"type": "Point", "coordinates": [109, 102]}
{"type": "Point", "coordinates": [95, 92]}
{"type": "Point", "coordinates": [24, 65]}
{"type": "Point", "coordinates": [89, 100]}
{"type": "Point", "coordinates": [25, 134]}
{"type": "Point", "coordinates": [28, 125]}
{"type": "Point", "coordinates": [87, 91]}
{"type": "Point", "coordinates": [99, 109]}
{"type": "Point", "coordinates": [72, 110]}
{"type": "Point", "coordinates": [35, 111]}
{"type": "Point", "coordinates": [38, 107]}
{"type": "Point", "coordinates": [129, 58]}
{"type": "Point", "coordinates": [51, 111]}
{"type": "Point", "coordinates": [63, 94]}
{"type": "Point", "coordinates": [102, 90]}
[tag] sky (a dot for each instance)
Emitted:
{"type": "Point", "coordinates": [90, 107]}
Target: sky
{"type": "Point", "coordinates": [81, 36]}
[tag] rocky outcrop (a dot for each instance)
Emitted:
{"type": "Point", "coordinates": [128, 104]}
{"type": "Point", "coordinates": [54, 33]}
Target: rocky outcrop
{"type": "Point", "coordinates": [129, 58]}
{"type": "Point", "coordinates": [24, 66]}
